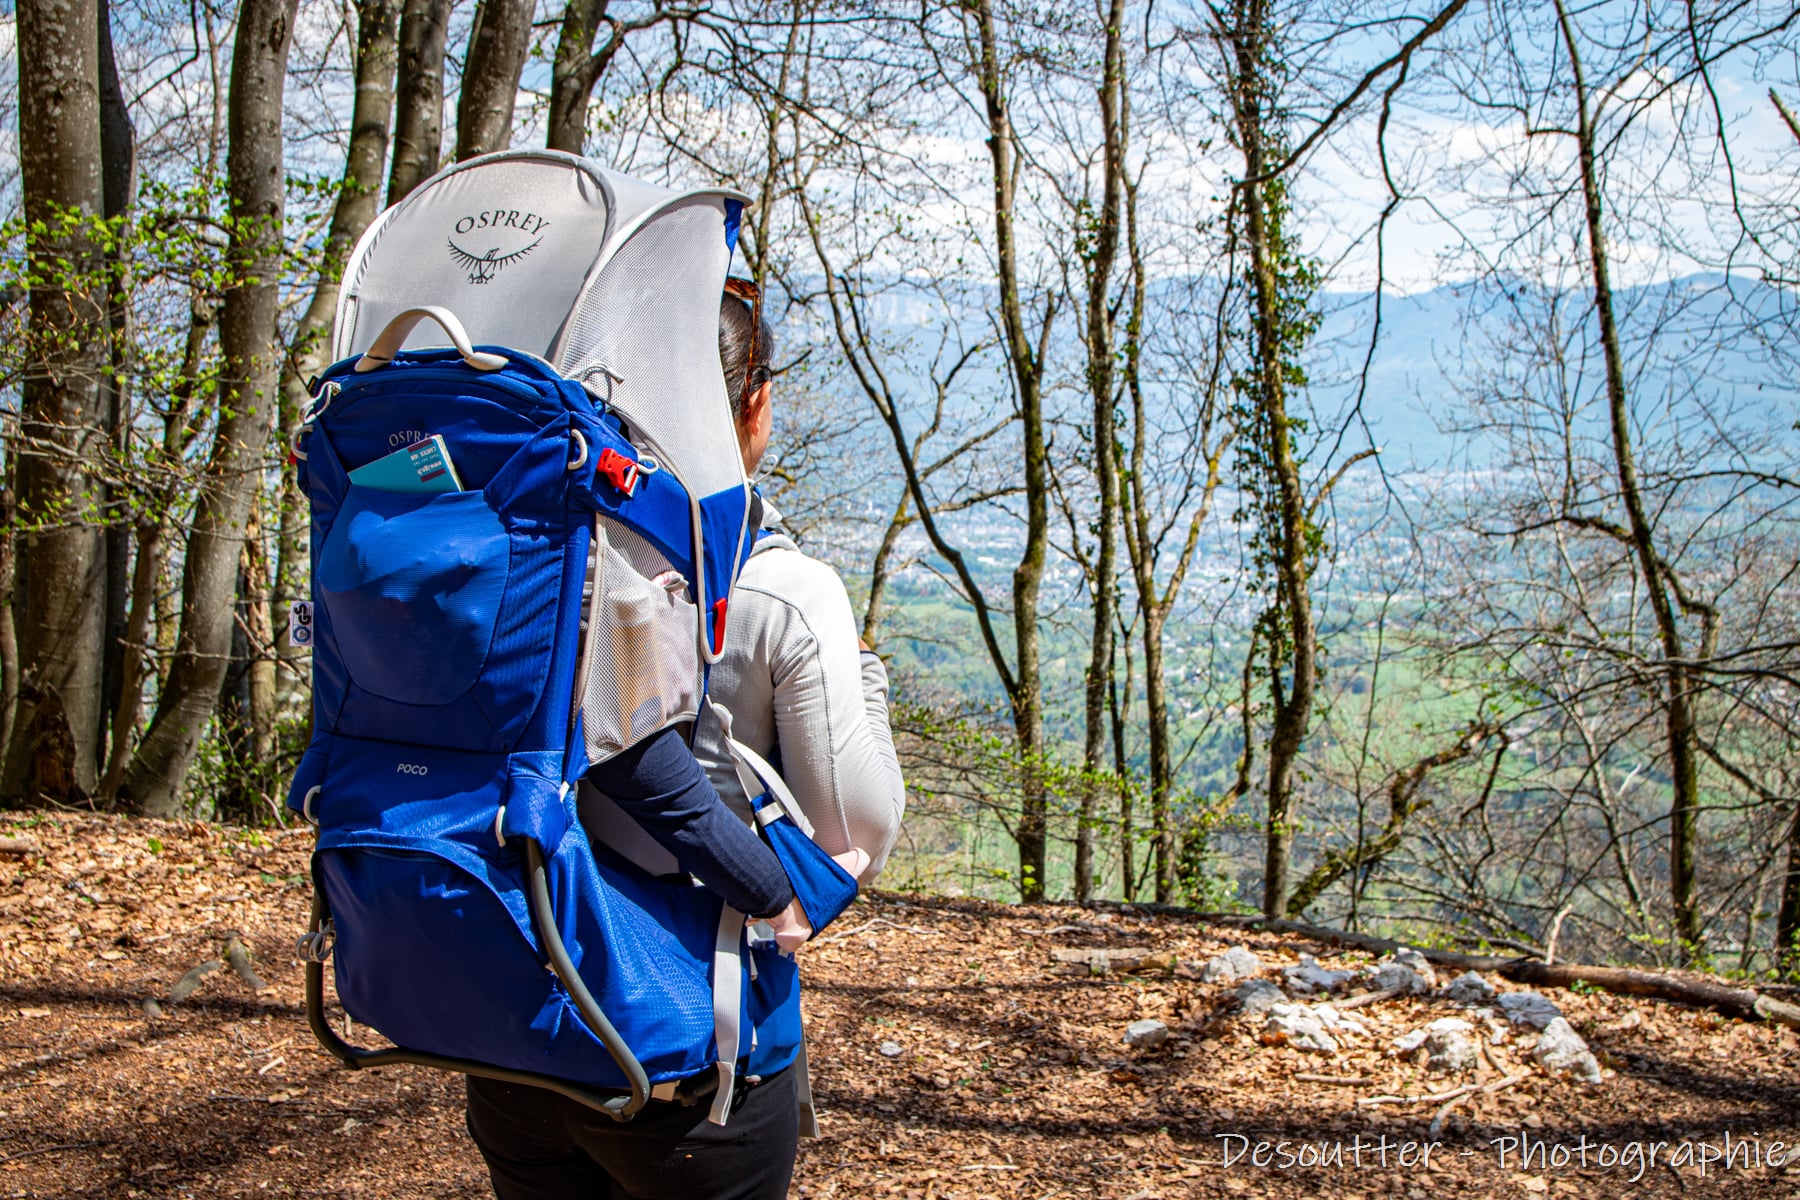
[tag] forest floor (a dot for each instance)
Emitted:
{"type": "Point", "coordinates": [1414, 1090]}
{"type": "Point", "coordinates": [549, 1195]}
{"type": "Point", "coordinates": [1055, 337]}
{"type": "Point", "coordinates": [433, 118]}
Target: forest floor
{"type": "Point", "coordinates": [953, 1056]}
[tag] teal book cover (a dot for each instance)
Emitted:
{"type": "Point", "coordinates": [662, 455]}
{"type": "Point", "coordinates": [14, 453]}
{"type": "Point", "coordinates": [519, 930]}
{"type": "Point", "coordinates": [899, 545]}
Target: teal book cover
{"type": "Point", "coordinates": [424, 466]}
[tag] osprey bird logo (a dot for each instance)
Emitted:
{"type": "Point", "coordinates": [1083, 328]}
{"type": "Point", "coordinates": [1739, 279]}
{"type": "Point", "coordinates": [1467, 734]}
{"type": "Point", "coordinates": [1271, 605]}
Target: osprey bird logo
{"type": "Point", "coordinates": [483, 267]}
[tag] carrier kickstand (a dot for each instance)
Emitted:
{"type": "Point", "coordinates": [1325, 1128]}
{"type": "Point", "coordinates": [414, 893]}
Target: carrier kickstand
{"type": "Point", "coordinates": [619, 1108]}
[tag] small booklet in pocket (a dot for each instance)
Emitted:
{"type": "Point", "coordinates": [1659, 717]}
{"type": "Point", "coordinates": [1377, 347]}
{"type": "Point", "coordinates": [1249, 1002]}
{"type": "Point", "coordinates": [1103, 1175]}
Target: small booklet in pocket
{"type": "Point", "coordinates": [424, 466]}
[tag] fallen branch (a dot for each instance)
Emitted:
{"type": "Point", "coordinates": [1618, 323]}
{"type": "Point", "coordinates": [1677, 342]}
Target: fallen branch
{"type": "Point", "coordinates": [13, 1158]}
{"type": "Point", "coordinates": [1488, 1089]}
{"type": "Point", "coordinates": [1625, 981]}
{"type": "Point", "coordinates": [1099, 961]}
{"type": "Point", "coordinates": [881, 923]}
{"type": "Point", "coordinates": [11, 847]}
{"type": "Point", "coordinates": [1431, 1098]}
{"type": "Point", "coordinates": [1366, 998]}
{"type": "Point", "coordinates": [1334, 1080]}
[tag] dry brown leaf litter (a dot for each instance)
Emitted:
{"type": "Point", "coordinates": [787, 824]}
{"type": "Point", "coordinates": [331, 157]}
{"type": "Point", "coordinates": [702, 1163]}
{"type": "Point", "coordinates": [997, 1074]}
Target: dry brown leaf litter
{"type": "Point", "coordinates": [953, 1057]}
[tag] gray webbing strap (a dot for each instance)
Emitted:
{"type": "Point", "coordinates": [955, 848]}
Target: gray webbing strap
{"type": "Point", "coordinates": [757, 777]}
{"type": "Point", "coordinates": [764, 778]}
{"type": "Point", "coordinates": [728, 994]}
{"type": "Point", "coordinates": [809, 1115]}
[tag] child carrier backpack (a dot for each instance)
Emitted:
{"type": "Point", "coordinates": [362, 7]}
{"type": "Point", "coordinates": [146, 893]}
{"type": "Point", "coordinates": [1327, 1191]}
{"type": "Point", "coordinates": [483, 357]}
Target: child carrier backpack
{"type": "Point", "coordinates": [495, 611]}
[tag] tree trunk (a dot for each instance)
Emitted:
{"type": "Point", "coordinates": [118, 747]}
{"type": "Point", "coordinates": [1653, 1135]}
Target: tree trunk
{"type": "Point", "coordinates": [152, 556]}
{"type": "Point", "coordinates": [118, 158]}
{"type": "Point", "coordinates": [1141, 546]}
{"type": "Point", "coordinates": [1292, 645]}
{"type": "Point", "coordinates": [260, 658]}
{"type": "Point", "coordinates": [9, 638]}
{"type": "Point", "coordinates": [309, 352]}
{"type": "Point", "coordinates": [1787, 917]}
{"type": "Point", "coordinates": [246, 697]}
{"type": "Point", "coordinates": [1099, 335]}
{"type": "Point", "coordinates": [248, 397]}
{"type": "Point", "coordinates": [419, 123]}
{"type": "Point", "coordinates": [1679, 684]}
{"type": "Point", "coordinates": [1122, 778]}
{"type": "Point", "coordinates": [576, 69]}
{"type": "Point", "coordinates": [1027, 690]}
{"type": "Point", "coordinates": [61, 552]}
{"type": "Point", "coordinates": [498, 43]}
{"type": "Point", "coordinates": [882, 567]}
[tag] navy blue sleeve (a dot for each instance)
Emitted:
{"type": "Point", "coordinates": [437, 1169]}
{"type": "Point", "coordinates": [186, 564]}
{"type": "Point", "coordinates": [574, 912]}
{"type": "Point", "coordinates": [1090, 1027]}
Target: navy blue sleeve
{"type": "Point", "coordinates": [661, 786]}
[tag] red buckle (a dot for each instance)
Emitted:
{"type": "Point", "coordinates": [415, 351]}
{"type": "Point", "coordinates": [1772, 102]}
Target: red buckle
{"type": "Point", "coordinates": [622, 471]}
{"type": "Point", "coordinates": [718, 631]}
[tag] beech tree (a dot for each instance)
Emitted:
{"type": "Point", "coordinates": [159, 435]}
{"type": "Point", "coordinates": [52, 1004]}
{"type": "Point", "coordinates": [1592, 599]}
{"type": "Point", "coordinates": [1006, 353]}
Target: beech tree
{"type": "Point", "coordinates": [60, 559]}
{"type": "Point", "coordinates": [498, 44]}
{"type": "Point", "coordinates": [248, 398]}
{"type": "Point", "coordinates": [419, 96]}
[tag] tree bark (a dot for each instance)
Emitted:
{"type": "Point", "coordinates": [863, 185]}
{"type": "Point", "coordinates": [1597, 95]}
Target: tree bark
{"type": "Point", "coordinates": [153, 536]}
{"type": "Point", "coordinates": [118, 158]}
{"type": "Point", "coordinates": [578, 66]}
{"type": "Point", "coordinates": [309, 351]}
{"type": "Point", "coordinates": [1787, 916]}
{"type": "Point", "coordinates": [61, 550]}
{"type": "Point", "coordinates": [498, 44]}
{"type": "Point", "coordinates": [9, 637]}
{"type": "Point", "coordinates": [1679, 685]}
{"type": "Point", "coordinates": [419, 123]}
{"type": "Point", "coordinates": [882, 567]}
{"type": "Point", "coordinates": [248, 397]}
{"type": "Point", "coordinates": [1122, 777]}
{"type": "Point", "coordinates": [1102, 256]}
{"type": "Point", "coordinates": [576, 69]}
{"type": "Point", "coordinates": [1292, 647]}
{"type": "Point", "coordinates": [1026, 693]}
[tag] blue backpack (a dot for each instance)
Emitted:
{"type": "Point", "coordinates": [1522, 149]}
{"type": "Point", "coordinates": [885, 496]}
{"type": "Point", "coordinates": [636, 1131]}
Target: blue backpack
{"type": "Point", "coordinates": [522, 561]}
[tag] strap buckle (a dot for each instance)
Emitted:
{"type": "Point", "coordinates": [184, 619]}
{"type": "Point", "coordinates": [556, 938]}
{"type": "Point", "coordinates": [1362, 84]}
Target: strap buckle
{"type": "Point", "coordinates": [621, 471]}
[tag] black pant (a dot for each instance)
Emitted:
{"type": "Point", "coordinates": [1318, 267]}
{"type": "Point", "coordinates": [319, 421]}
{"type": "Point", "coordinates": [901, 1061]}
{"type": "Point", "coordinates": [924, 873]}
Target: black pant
{"type": "Point", "coordinates": [542, 1146]}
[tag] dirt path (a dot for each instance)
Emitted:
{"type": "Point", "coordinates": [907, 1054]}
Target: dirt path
{"type": "Point", "coordinates": [952, 1058]}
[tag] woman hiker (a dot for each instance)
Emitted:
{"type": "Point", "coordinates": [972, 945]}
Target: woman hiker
{"type": "Point", "coordinates": [804, 693]}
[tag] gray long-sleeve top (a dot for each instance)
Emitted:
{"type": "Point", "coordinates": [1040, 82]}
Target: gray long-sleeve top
{"type": "Point", "coordinates": [801, 694]}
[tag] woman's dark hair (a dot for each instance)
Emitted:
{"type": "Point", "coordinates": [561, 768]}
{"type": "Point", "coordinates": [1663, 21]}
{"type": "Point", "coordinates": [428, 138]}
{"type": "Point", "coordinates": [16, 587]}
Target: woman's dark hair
{"type": "Point", "coordinates": [741, 375]}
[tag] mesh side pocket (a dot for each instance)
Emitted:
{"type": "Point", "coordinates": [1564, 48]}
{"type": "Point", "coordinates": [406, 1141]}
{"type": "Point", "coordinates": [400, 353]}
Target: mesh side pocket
{"type": "Point", "coordinates": [641, 666]}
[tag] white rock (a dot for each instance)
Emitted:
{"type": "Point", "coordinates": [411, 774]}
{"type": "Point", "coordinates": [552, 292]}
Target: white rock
{"type": "Point", "coordinates": [1561, 1051]}
{"type": "Point", "coordinates": [1421, 966]}
{"type": "Point", "coordinates": [1146, 1034]}
{"type": "Point", "coordinates": [1235, 964]}
{"type": "Point", "coordinates": [1399, 977]}
{"type": "Point", "coordinates": [1529, 1008]}
{"type": "Point", "coordinates": [1448, 1042]}
{"type": "Point", "coordinates": [1407, 1043]}
{"type": "Point", "coordinates": [1310, 977]}
{"type": "Point", "coordinates": [1469, 989]}
{"type": "Point", "coordinates": [890, 1050]}
{"type": "Point", "coordinates": [1308, 1027]}
{"type": "Point", "coordinates": [1258, 996]}
{"type": "Point", "coordinates": [1298, 1026]}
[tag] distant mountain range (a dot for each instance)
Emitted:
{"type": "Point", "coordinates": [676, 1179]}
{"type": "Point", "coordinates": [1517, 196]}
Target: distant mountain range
{"type": "Point", "coordinates": [1704, 337]}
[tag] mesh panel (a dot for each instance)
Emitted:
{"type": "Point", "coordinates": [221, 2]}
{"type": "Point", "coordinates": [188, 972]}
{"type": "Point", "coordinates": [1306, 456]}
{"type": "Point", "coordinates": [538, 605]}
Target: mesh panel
{"type": "Point", "coordinates": [652, 318]}
{"type": "Point", "coordinates": [641, 670]}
